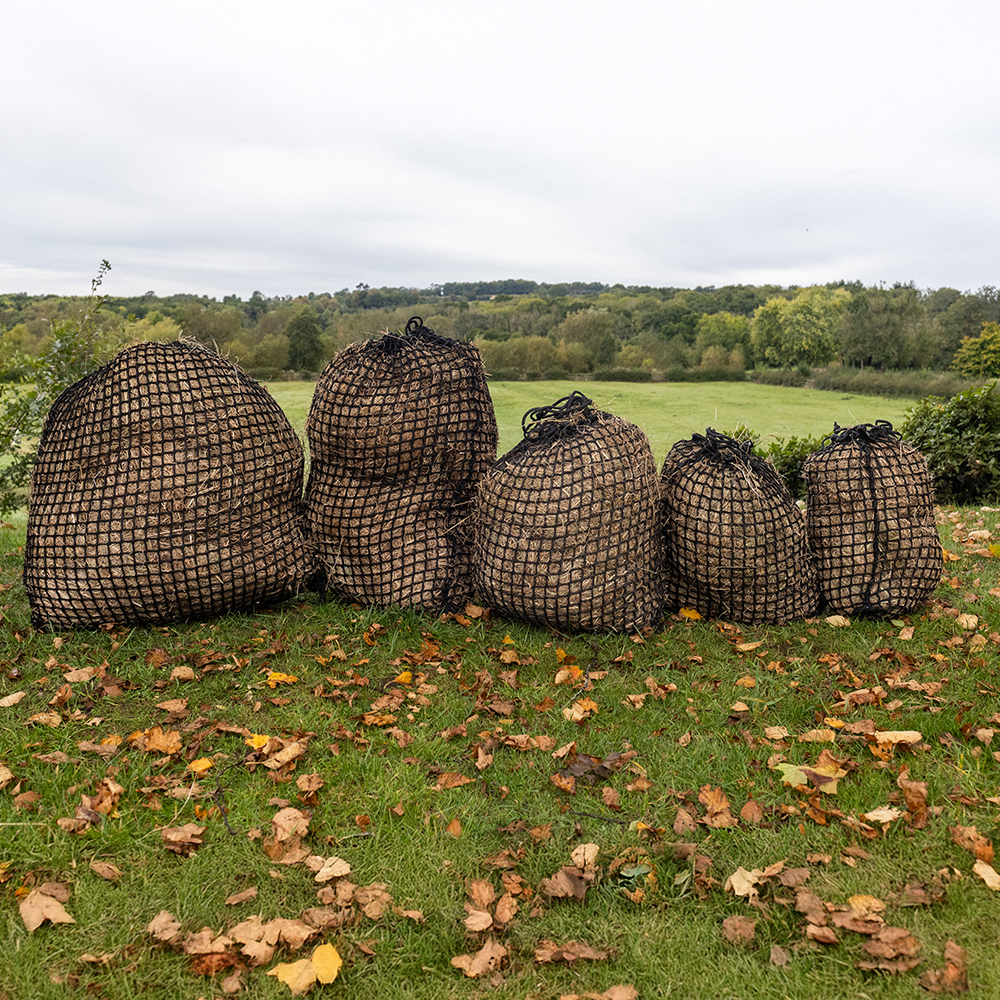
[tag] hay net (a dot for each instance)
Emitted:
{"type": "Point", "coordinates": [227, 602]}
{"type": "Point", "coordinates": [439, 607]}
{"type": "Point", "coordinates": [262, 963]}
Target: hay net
{"type": "Point", "coordinates": [735, 540]}
{"type": "Point", "coordinates": [168, 487]}
{"type": "Point", "coordinates": [566, 523]}
{"type": "Point", "coordinates": [401, 430]}
{"type": "Point", "coordinates": [870, 519]}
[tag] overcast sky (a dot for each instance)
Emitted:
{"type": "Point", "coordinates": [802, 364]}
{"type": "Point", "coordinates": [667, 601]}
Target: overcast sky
{"type": "Point", "coordinates": [219, 147]}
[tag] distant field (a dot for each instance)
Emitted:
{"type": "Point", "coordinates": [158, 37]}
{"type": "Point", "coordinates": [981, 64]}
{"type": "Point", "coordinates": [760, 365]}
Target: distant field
{"type": "Point", "coordinates": [667, 411]}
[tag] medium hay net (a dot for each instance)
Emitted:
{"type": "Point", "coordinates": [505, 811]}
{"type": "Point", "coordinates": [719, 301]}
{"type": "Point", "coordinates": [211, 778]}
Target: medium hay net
{"type": "Point", "coordinates": [566, 523]}
{"type": "Point", "coordinates": [401, 430]}
{"type": "Point", "coordinates": [870, 519]}
{"type": "Point", "coordinates": [735, 540]}
{"type": "Point", "coordinates": [168, 487]}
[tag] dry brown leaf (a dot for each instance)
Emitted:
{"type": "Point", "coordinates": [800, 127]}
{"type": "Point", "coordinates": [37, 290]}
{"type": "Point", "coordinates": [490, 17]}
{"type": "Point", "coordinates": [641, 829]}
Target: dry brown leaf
{"type": "Point", "coordinates": [548, 951]}
{"type": "Point", "coordinates": [487, 959]}
{"type": "Point", "coordinates": [739, 929]}
{"type": "Point", "coordinates": [717, 814]}
{"type": "Point", "coordinates": [106, 870]}
{"type": "Point", "coordinates": [39, 906]}
{"type": "Point", "coordinates": [970, 839]}
{"type": "Point", "coordinates": [163, 927]}
{"type": "Point", "coordinates": [478, 920]}
{"type": "Point", "coordinates": [451, 780]}
{"type": "Point", "coordinates": [988, 874]}
{"type": "Point", "coordinates": [182, 840]}
{"type": "Point", "coordinates": [951, 979]}
{"type": "Point", "coordinates": [481, 893]}
{"type": "Point", "coordinates": [241, 897]}
{"type": "Point", "coordinates": [506, 909]}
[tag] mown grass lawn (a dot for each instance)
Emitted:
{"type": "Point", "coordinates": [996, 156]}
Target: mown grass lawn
{"type": "Point", "coordinates": [214, 766]}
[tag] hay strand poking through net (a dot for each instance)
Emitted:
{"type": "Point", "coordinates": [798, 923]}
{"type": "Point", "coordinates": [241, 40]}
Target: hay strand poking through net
{"type": "Point", "coordinates": [735, 539]}
{"type": "Point", "coordinates": [870, 518]}
{"type": "Point", "coordinates": [401, 430]}
{"type": "Point", "coordinates": [566, 523]}
{"type": "Point", "coordinates": [168, 487]}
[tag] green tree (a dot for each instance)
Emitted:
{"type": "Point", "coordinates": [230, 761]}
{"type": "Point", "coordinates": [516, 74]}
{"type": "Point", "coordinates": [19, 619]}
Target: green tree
{"type": "Point", "coordinates": [979, 357]}
{"type": "Point", "coordinates": [304, 348]}
{"type": "Point", "coordinates": [798, 331]}
{"type": "Point", "coordinates": [887, 328]}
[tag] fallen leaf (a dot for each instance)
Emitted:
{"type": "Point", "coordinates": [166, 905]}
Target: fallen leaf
{"type": "Point", "coordinates": [951, 979]}
{"type": "Point", "coordinates": [39, 906]}
{"type": "Point", "coordinates": [297, 976]}
{"type": "Point", "coordinates": [106, 870]}
{"type": "Point", "coordinates": [970, 839]}
{"type": "Point", "coordinates": [487, 959]}
{"type": "Point", "coordinates": [988, 874]}
{"type": "Point", "coordinates": [241, 897]}
{"type": "Point", "coordinates": [548, 951]}
{"type": "Point", "coordinates": [739, 929]}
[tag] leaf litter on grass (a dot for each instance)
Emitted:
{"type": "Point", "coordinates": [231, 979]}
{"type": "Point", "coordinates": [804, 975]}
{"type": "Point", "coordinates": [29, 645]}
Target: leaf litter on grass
{"type": "Point", "coordinates": [471, 719]}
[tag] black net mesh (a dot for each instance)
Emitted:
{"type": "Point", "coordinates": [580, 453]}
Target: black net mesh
{"type": "Point", "coordinates": [566, 523]}
{"type": "Point", "coordinates": [871, 521]}
{"type": "Point", "coordinates": [400, 431]}
{"type": "Point", "coordinates": [735, 540]}
{"type": "Point", "coordinates": [168, 487]}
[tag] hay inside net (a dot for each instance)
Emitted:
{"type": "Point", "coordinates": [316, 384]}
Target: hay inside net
{"type": "Point", "coordinates": [168, 487]}
{"type": "Point", "coordinates": [401, 430]}
{"type": "Point", "coordinates": [735, 540]}
{"type": "Point", "coordinates": [871, 524]}
{"type": "Point", "coordinates": [566, 523]}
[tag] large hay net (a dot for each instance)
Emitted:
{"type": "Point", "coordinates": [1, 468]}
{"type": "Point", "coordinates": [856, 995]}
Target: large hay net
{"type": "Point", "coordinates": [735, 540]}
{"type": "Point", "coordinates": [401, 430]}
{"type": "Point", "coordinates": [566, 523]}
{"type": "Point", "coordinates": [168, 487]}
{"type": "Point", "coordinates": [870, 518]}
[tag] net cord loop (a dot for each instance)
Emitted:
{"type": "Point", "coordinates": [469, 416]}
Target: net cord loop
{"type": "Point", "coordinates": [561, 411]}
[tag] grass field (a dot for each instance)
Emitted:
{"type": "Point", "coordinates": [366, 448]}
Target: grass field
{"type": "Point", "coordinates": [702, 812]}
{"type": "Point", "coordinates": [668, 411]}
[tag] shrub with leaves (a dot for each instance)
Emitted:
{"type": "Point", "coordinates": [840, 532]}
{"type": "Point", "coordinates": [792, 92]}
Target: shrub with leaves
{"type": "Point", "coordinates": [958, 437]}
{"type": "Point", "coordinates": [79, 346]}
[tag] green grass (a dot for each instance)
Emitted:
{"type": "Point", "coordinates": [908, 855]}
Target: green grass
{"type": "Point", "coordinates": [690, 742]}
{"type": "Point", "coordinates": [668, 412]}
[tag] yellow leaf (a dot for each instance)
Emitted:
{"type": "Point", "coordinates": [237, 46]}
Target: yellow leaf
{"type": "Point", "coordinates": [256, 741]}
{"type": "Point", "coordinates": [326, 961]}
{"type": "Point", "coordinates": [690, 613]}
{"type": "Point", "coordinates": [274, 678]}
{"type": "Point", "coordinates": [201, 765]}
{"type": "Point", "coordinates": [406, 677]}
{"type": "Point", "coordinates": [297, 976]}
{"type": "Point", "coordinates": [746, 682]}
{"type": "Point", "coordinates": [745, 647]}
{"type": "Point", "coordinates": [507, 640]}
{"type": "Point", "coordinates": [111, 741]}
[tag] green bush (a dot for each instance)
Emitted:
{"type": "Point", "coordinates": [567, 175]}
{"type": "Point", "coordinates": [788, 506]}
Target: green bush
{"type": "Point", "coordinates": [679, 374]}
{"type": "Point", "coordinates": [787, 455]}
{"type": "Point", "coordinates": [779, 376]}
{"type": "Point", "coordinates": [960, 438]}
{"type": "Point", "coordinates": [505, 375]}
{"type": "Point", "coordinates": [78, 346]}
{"type": "Point", "coordinates": [905, 382]}
{"type": "Point", "coordinates": [623, 375]}
{"type": "Point", "coordinates": [263, 374]}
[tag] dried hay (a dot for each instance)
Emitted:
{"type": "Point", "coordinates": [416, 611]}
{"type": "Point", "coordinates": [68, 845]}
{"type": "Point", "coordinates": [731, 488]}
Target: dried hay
{"type": "Point", "coordinates": [566, 524]}
{"type": "Point", "coordinates": [735, 539]}
{"type": "Point", "coordinates": [870, 519]}
{"type": "Point", "coordinates": [400, 431]}
{"type": "Point", "coordinates": [168, 487]}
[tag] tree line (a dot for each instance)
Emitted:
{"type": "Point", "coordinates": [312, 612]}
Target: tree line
{"type": "Point", "coordinates": [529, 329]}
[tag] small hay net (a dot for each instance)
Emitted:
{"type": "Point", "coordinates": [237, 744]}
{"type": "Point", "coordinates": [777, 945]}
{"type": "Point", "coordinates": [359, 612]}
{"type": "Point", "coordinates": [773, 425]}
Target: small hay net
{"type": "Point", "coordinates": [566, 523]}
{"type": "Point", "coordinates": [870, 519]}
{"type": "Point", "coordinates": [735, 540]}
{"type": "Point", "coordinates": [168, 487]}
{"type": "Point", "coordinates": [401, 430]}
